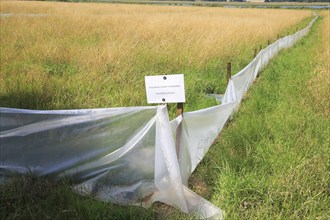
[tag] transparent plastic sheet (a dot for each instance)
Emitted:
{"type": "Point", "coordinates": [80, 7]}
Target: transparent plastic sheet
{"type": "Point", "coordinates": [122, 155]}
{"type": "Point", "coordinates": [126, 155]}
{"type": "Point", "coordinates": [201, 129]}
{"type": "Point", "coordinates": [108, 153]}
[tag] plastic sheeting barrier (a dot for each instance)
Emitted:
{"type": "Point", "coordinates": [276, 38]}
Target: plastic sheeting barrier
{"type": "Point", "coordinates": [125, 155]}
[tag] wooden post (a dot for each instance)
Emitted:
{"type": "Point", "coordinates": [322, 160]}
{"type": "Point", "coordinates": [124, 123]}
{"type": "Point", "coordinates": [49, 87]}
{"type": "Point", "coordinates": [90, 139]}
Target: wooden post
{"type": "Point", "coordinates": [179, 111]}
{"type": "Point", "coordinates": [255, 52]}
{"type": "Point", "coordinates": [268, 42]}
{"type": "Point", "coordinates": [228, 72]}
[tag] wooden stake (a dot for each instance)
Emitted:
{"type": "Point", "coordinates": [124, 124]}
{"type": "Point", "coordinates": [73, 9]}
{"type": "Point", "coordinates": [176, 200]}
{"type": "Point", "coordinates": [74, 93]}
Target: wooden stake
{"type": "Point", "coordinates": [255, 52]}
{"type": "Point", "coordinates": [228, 72]}
{"type": "Point", "coordinates": [268, 42]}
{"type": "Point", "coordinates": [179, 111]}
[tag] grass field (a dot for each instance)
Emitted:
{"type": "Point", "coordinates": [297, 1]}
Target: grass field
{"type": "Point", "coordinates": [271, 162]}
{"type": "Point", "coordinates": [96, 55]}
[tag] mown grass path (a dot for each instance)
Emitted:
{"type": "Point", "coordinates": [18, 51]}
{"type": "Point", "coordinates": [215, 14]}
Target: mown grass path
{"type": "Point", "coordinates": [272, 161]}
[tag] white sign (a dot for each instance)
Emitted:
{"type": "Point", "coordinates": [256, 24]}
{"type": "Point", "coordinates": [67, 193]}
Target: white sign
{"type": "Point", "coordinates": [165, 89]}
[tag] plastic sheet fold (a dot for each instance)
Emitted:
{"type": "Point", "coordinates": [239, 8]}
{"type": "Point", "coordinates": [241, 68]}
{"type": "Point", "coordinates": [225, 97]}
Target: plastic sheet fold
{"type": "Point", "coordinates": [126, 155]}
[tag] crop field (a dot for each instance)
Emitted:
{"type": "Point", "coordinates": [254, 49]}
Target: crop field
{"type": "Point", "coordinates": [84, 55]}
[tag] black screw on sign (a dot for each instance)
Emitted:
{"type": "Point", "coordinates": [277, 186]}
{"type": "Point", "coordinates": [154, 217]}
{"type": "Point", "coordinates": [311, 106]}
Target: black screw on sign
{"type": "Point", "coordinates": [164, 78]}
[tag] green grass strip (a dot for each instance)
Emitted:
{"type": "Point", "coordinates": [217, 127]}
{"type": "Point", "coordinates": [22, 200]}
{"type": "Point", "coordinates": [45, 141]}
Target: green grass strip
{"type": "Point", "coordinates": [272, 161]}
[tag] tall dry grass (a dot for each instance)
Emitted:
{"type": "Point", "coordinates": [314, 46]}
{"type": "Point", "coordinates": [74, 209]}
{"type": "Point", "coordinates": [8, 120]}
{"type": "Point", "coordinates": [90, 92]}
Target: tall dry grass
{"type": "Point", "coordinates": [84, 55]}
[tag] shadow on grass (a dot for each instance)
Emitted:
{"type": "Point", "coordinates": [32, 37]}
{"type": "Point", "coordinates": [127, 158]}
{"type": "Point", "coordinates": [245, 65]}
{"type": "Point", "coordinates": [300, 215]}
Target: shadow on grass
{"type": "Point", "coordinates": [43, 99]}
{"type": "Point", "coordinates": [33, 197]}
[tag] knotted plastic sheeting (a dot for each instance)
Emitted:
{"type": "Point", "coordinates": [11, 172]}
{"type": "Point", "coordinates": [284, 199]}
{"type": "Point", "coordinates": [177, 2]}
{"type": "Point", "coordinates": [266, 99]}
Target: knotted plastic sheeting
{"type": "Point", "coordinates": [126, 155]}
